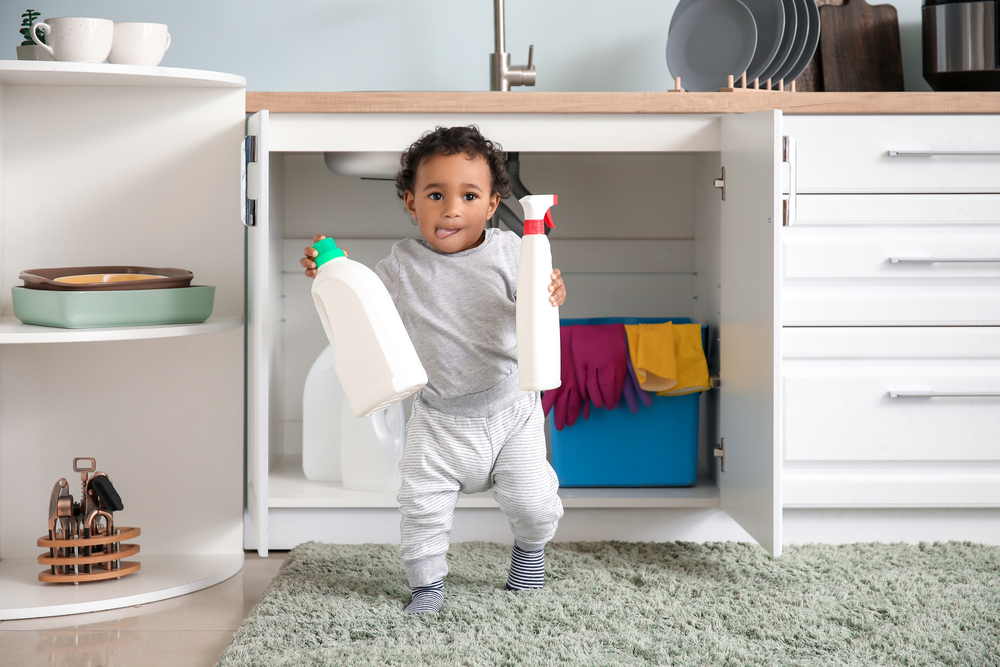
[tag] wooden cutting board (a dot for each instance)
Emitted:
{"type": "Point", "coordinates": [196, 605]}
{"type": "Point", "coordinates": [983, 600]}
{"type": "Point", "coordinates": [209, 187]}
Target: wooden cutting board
{"type": "Point", "coordinates": [859, 47]}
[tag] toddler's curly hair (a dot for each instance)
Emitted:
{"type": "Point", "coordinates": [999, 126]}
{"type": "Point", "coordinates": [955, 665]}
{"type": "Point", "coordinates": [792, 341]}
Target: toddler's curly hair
{"type": "Point", "coordinates": [452, 141]}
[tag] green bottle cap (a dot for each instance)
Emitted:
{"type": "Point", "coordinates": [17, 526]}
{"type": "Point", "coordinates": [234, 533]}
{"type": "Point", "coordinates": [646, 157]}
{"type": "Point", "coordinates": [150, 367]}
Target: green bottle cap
{"type": "Point", "coordinates": [327, 249]}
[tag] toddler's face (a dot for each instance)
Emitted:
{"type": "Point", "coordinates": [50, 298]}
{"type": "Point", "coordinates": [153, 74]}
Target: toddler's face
{"type": "Point", "coordinates": [451, 201]}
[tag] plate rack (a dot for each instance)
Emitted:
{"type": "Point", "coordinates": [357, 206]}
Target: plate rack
{"type": "Point", "coordinates": [731, 86]}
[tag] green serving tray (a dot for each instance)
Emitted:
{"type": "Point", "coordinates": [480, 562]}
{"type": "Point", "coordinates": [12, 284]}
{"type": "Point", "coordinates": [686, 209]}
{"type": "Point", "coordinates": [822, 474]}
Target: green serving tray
{"type": "Point", "coordinates": [114, 308]}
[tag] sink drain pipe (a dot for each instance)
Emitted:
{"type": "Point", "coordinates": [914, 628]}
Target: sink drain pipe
{"type": "Point", "coordinates": [507, 216]}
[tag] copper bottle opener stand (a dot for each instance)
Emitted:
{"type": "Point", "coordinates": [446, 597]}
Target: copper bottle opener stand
{"type": "Point", "coordinates": [83, 543]}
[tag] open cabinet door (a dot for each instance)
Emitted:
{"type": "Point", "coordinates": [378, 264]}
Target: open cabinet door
{"type": "Point", "coordinates": [750, 325]}
{"type": "Point", "coordinates": [258, 327]}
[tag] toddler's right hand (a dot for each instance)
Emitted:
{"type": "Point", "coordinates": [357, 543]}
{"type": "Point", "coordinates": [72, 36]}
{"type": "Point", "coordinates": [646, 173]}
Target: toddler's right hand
{"type": "Point", "coordinates": [310, 254]}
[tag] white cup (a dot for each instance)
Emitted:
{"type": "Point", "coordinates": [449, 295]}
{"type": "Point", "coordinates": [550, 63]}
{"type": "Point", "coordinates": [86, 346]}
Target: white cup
{"type": "Point", "coordinates": [139, 44]}
{"type": "Point", "coordinates": [76, 39]}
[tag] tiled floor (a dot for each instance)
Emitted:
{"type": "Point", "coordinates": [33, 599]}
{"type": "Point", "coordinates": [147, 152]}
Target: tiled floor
{"type": "Point", "coordinates": [187, 631]}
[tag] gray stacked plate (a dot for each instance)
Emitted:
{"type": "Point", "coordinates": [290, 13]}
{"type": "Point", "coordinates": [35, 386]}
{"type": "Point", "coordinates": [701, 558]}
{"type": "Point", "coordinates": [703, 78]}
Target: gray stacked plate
{"type": "Point", "coordinates": [711, 39]}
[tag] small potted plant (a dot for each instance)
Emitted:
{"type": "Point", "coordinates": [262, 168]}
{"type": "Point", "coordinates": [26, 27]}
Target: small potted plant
{"type": "Point", "coordinates": [28, 50]}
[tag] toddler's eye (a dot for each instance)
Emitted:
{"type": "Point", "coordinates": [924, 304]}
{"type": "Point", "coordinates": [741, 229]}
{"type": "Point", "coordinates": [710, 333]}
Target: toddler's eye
{"type": "Point", "coordinates": [436, 196]}
{"type": "Point", "coordinates": [469, 196]}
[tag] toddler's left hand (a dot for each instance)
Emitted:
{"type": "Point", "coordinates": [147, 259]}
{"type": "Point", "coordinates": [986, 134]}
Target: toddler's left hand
{"type": "Point", "coordinates": [558, 289]}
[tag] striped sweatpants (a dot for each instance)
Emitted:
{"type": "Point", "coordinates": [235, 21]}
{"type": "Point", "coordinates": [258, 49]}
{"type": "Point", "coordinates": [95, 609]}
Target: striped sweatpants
{"type": "Point", "coordinates": [445, 455]}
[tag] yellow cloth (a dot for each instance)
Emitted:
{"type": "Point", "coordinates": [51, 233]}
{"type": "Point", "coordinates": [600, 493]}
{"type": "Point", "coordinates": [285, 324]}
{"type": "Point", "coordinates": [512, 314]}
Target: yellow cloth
{"type": "Point", "coordinates": [668, 358]}
{"type": "Point", "coordinates": [651, 348]}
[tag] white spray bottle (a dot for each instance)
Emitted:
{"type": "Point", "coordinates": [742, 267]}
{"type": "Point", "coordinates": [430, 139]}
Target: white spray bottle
{"type": "Point", "coordinates": [538, 359]}
{"type": "Point", "coordinates": [376, 362]}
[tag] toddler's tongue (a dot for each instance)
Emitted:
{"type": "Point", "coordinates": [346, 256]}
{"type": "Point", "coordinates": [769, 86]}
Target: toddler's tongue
{"type": "Point", "coordinates": [445, 233]}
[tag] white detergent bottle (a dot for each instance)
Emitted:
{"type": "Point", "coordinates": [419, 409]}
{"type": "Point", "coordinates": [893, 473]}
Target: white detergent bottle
{"type": "Point", "coordinates": [538, 358]}
{"type": "Point", "coordinates": [322, 399]}
{"type": "Point", "coordinates": [376, 362]}
{"type": "Point", "coordinates": [371, 448]}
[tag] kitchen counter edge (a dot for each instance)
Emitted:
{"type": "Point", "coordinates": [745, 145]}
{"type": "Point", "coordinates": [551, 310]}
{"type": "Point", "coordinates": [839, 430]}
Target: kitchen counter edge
{"type": "Point", "coordinates": [625, 103]}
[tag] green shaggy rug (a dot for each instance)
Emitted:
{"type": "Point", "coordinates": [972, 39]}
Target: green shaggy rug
{"type": "Point", "coordinates": [620, 603]}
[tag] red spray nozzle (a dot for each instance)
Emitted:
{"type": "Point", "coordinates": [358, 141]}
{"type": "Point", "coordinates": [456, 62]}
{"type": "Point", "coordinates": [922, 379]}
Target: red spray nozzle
{"type": "Point", "coordinates": [537, 214]}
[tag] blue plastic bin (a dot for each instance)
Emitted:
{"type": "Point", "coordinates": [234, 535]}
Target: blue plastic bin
{"type": "Point", "coordinates": [656, 446]}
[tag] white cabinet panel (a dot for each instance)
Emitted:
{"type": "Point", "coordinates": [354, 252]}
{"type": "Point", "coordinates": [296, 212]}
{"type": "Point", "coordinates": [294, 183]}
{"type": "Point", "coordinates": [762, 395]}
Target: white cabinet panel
{"type": "Point", "coordinates": [914, 253]}
{"type": "Point", "coordinates": [881, 484]}
{"type": "Point", "coordinates": [930, 305]}
{"type": "Point", "coordinates": [750, 326]}
{"type": "Point", "coordinates": [550, 133]}
{"type": "Point", "coordinates": [892, 210]}
{"type": "Point", "coordinates": [260, 332]}
{"type": "Point", "coordinates": [855, 394]}
{"type": "Point", "coordinates": [932, 153]}
{"type": "Point", "coordinates": [867, 260]}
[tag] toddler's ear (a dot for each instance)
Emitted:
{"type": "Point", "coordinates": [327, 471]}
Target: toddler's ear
{"type": "Point", "coordinates": [409, 201]}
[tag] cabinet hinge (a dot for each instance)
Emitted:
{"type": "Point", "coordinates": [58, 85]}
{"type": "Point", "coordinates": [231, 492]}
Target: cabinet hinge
{"type": "Point", "coordinates": [249, 178]}
{"type": "Point", "coordinates": [788, 181]}
{"type": "Point", "coordinates": [721, 183]}
{"type": "Point", "coordinates": [716, 382]}
{"type": "Point", "coordinates": [720, 453]}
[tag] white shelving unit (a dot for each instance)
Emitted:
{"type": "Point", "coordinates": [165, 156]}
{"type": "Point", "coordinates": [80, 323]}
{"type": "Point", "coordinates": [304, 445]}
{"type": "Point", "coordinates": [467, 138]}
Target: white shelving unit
{"type": "Point", "coordinates": [111, 164]}
{"type": "Point", "coordinates": [52, 73]}
{"type": "Point", "coordinates": [12, 331]}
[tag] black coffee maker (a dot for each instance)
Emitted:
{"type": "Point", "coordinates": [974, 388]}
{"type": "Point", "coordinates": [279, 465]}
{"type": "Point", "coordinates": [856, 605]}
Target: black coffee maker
{"type": "Point", "coordinates": [961, 46]}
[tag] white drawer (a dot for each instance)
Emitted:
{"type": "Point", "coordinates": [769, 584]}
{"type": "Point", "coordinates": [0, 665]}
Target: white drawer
{"type": "Point", "coordinates": [838, 386]}
{"type": "Point", "coordinates": [894, 210]}
{"type": "Point", "coordinates": [892, 259]}
{"type": "Point", "coordinates": [890, 305]}
{"type": "Point", "coordinates": [852, 153]}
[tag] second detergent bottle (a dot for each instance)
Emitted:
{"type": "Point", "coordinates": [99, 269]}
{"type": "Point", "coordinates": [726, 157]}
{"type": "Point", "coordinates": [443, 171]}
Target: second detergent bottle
{"type": "Point", "coordinates": [377, 367]}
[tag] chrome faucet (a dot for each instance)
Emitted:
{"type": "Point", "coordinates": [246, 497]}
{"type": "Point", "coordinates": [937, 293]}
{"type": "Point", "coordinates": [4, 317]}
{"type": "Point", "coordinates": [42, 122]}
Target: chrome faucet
{"type": "Point", "coordinates": [503, 75]}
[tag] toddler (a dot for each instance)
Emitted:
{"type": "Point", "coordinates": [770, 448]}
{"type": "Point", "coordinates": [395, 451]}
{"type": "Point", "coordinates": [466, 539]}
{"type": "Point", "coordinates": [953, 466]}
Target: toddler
{"type": "Point", "coordinates": [472, 427]}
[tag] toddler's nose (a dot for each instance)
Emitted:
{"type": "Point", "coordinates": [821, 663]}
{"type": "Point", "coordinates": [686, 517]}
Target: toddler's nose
{"type": "Point", "coordinates": [454, 207]}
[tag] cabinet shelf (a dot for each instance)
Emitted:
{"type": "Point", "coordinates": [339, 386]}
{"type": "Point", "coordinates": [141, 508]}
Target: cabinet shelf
{"type": "Point", "coordinates": [52, 73]}
{"type": "Point", "coordinates": [160, 578]}
{"type": "Point", "coordinates": [14, 331]}
{"type": "Point", "coordinates": [289, 488]}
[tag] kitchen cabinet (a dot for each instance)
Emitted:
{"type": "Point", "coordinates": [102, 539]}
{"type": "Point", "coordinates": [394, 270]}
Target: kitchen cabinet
{"type": "Point", "coordinates": [890, 313]}
{"type": "Point", "coordinates": [119, 165]}
{"type": "Point", "coordinates": [699, 251]}
{"type": "Point", "coordinates": [805, 274]}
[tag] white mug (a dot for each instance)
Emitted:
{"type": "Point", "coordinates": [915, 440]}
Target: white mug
{"type": "Point", "coordinates": [139, 44]}
{"type": "Point", "coordinates": [75, 39]}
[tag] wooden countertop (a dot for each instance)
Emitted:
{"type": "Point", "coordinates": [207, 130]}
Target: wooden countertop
{"type": "Point", "coordinates": [625, 103]}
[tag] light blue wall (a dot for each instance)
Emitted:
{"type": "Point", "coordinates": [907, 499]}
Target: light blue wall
{"type": "Point", "coordinates": [333, 45]}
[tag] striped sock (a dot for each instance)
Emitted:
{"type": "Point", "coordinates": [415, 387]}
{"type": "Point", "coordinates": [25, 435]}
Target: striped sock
{"type": "Point", "coordinates": [427, 599]}
{"type": "Point", "coordinates": [527, 569]}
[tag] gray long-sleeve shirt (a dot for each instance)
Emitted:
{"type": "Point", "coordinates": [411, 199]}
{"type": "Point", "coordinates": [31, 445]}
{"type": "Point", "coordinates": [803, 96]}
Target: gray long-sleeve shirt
{"type": "Point", "coordinates": [458, 309]}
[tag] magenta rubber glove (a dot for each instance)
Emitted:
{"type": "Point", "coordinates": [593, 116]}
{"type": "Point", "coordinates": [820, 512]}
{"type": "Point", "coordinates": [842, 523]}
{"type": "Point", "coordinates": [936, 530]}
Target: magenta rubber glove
{"type": "Point", "coordinates": [599, 355]}
{"type": "Point", "coordinates": [566, 399]}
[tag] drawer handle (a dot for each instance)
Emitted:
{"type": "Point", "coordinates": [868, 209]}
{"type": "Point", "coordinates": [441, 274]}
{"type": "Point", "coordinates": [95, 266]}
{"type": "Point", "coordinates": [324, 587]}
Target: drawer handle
{"type": "Point", "coordinates": [943, 394]}
{"type": "Point", "coordinates": [944, 260]}
{"type": "Point", "coordinates": [944, 153]}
